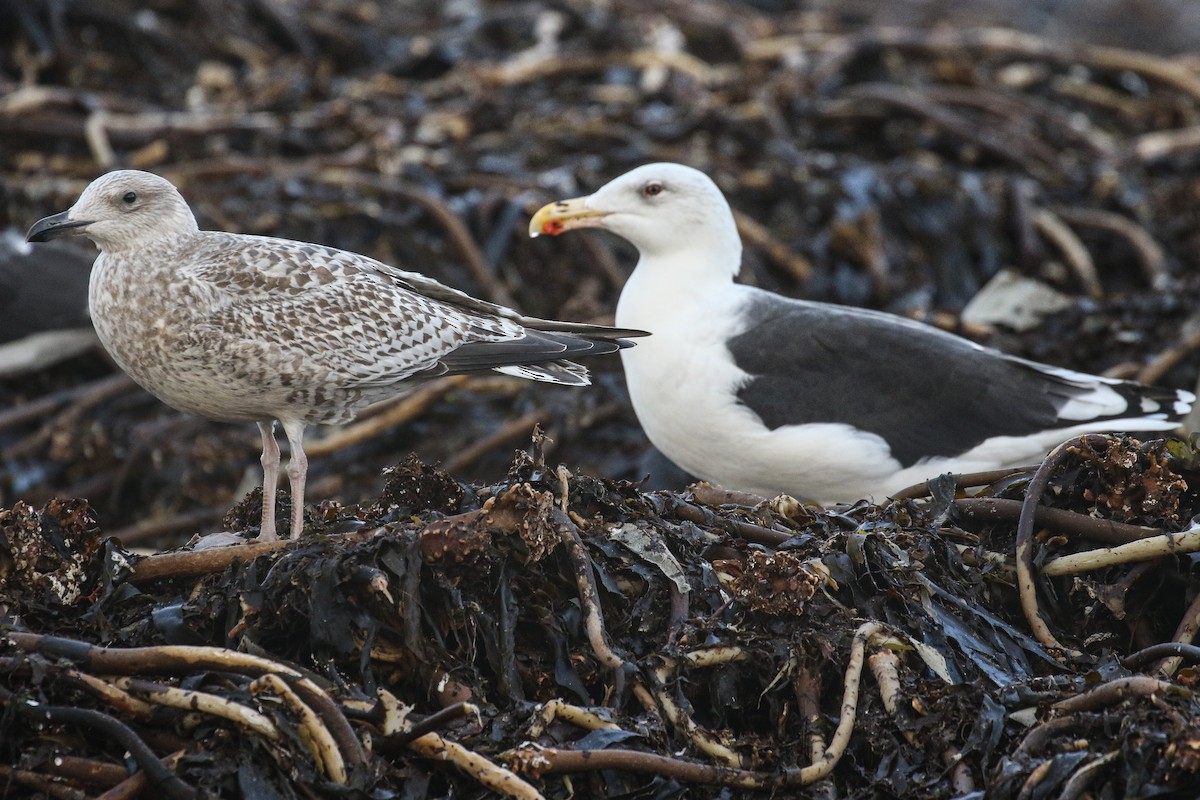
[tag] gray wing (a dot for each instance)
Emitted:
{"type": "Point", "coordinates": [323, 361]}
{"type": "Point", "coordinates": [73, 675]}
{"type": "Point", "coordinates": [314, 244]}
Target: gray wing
{"type": "Point", "coordinates": [925, 392]}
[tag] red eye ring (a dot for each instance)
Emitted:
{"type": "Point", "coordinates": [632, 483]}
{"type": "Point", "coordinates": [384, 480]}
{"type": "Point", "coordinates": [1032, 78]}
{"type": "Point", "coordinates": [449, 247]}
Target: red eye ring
{"type": "Point", "coordinates": [652, 189]}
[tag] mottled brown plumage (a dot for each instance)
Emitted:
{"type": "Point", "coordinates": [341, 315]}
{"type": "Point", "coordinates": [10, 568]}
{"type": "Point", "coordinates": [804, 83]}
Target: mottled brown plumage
{"type": "Point", "coordinates": [239, 328]}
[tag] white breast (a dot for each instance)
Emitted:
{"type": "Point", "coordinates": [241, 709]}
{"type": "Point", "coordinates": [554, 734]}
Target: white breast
{"type": "Point", "coordinates": [683, 383]}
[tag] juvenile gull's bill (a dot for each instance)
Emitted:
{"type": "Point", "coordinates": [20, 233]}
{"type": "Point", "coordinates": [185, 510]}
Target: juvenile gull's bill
{"type": "Point", "coordinates": [771, 395]}
{"type": "Point", "coordinates": [249, 328]}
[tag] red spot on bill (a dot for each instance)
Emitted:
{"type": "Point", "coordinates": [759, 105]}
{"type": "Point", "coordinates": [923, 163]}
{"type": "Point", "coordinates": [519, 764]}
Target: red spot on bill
{"type": "Point", "coordinates": [552, 227]}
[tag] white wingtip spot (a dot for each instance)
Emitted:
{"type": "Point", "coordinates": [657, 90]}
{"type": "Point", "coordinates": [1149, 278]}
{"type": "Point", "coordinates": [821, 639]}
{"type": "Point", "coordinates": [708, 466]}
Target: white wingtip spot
{"type": "Point", "coordinates": [1183, 402]}
{"type": "Point", "coordinates": [547, 374]}
{"type": "Point", "coordinates": [1149, 406]}
{"type": "Point", "coordinates": [1102, 401]}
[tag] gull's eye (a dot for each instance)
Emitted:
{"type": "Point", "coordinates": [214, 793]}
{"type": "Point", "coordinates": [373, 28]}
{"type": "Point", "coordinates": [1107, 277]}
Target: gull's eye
{"type": "Point", "coordinates": [129, 198]}
{"type": "Point", "coordinates": [652, 189]}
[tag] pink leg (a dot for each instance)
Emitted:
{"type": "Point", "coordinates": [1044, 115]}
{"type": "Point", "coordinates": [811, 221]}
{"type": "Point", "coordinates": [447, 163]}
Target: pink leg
{"type": "Point", "coordinates": [270, 465]}
{"type": "Point", "coordinates": [297, 472]}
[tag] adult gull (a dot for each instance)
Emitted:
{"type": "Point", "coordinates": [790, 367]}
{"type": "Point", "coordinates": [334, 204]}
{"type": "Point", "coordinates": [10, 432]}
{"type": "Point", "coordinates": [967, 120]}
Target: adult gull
{"type": "Point", "coordinates": [767, 394]}
{"type": "Point", "coordinates": [249, 328]}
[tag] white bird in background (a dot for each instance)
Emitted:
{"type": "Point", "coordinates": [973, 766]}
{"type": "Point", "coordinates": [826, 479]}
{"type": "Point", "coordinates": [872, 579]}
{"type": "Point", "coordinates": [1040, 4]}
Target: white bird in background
{"type": "Point", "coordinates": [767, 394]}
{"type": "Point", "coordinates": [249, 328]}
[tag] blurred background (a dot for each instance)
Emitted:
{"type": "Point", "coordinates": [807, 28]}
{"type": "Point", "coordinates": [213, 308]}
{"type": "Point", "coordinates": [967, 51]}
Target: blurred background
{"type": "Point", "coordinates": [901, 156]}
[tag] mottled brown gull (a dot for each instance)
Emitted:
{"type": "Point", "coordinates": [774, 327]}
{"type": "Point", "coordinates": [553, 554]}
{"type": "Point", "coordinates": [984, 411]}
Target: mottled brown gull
{"type": "Point", "coordinates": [249, 328]}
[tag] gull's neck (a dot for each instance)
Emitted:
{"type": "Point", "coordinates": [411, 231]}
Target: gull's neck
{"type": "Point", "coordinates": [664, 284]}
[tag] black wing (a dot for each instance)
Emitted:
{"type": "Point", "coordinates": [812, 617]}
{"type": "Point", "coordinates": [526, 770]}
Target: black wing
{"type": "Point", "coordinates": [925, 392]}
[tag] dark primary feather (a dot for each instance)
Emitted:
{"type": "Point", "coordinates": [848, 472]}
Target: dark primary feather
{"type": "Point", "coordinates": [925, 392]}
{"type": "Point", "coordinates": [544, 349]}
{"type": "Point", "coordinates": [542, 352]}
{"type": "Point", "coordinates": [584, 329]}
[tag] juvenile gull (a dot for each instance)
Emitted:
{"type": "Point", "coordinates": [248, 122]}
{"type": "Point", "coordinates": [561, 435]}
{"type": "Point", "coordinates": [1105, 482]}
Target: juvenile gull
{"type": "Point", "coordinates": [767, 394]}
{"type": "Point", "coordinates": [240, 328]}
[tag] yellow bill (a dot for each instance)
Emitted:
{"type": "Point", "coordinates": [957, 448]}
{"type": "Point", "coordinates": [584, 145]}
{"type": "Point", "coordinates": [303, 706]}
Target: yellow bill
{"type": "Point", "coordinates": [563, 215]}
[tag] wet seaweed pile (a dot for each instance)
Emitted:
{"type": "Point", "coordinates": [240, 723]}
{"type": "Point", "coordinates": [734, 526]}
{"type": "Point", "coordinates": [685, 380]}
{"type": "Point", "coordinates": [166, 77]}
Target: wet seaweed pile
{"type": "Point", "coordinates": [564, 631]}
{"type": "Point", "coordinates": [558, 635]}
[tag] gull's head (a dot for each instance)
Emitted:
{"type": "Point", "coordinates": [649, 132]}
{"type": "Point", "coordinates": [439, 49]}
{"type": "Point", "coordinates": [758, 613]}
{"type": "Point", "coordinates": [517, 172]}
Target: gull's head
{"type": "Point", "coordinates": [127, 208]}
{"type": "Point", "coordinates": [661, 209]}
